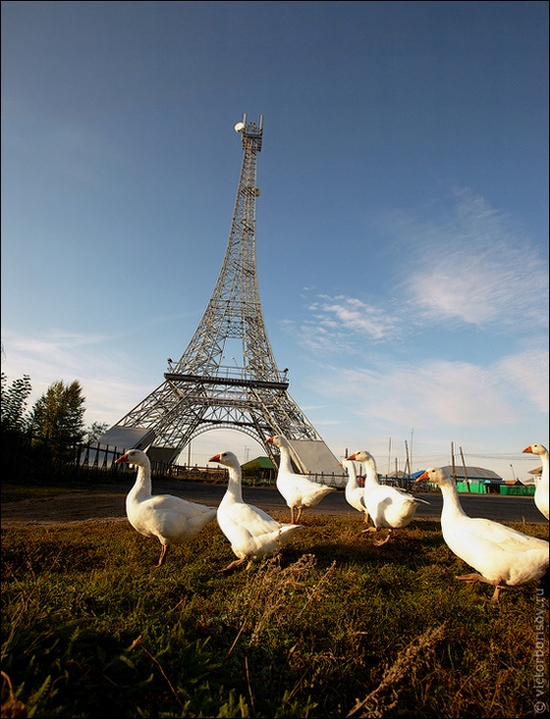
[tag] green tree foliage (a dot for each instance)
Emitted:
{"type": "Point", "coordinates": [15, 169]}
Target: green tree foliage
{"type": "Point", "coordinates": [59, 414]}
{"type": "Point", "coordinates": [14, 415]}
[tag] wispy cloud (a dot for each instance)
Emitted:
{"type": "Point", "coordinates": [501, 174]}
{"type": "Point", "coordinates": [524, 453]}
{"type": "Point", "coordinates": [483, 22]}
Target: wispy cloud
{"type": "Point", "coordinates": [475, 266]}
{"type": "Point", "coordinates": [527, 373]}
{"type": "Point", "coordinates": [471, 268]}
{"type": "Point", "coordinates": [111, 385]}
{"type": "Point", "coordinates": [339, 325]}
{"type": "Point", "coordinates": [350, 313]}
{"type": "Point", "coordinates": [436, 395]}
{"type": "Point", "coordinates": [423, 395]}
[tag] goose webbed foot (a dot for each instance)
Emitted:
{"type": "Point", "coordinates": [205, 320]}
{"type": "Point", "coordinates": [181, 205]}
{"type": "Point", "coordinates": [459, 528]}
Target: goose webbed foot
{"type": "Point", "coordinates": [470, 578]}
{"type": "Point", "coordinates": [377, 542]}
{"type": "Point", "coordinates": [474, 578]}
{"type": "Point", "coordinates": [233, 566]}
{"type": "Point", "coordinates": [381, 542]}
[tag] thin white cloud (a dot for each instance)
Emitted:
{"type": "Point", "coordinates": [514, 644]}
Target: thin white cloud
{"type": "Point", "coordinates": [316, 337]}
{"type": "Point", "coordinates": [350, 313]}
{"type": "Point", "coordinates": [435, 396]}
{"type": "Point", "coordinates": [108, 382]}
{"type": "Point", "coordinates": [527, 372]}
{"type": "Point", "coordinates": [475, 266]}
{"type": "Point", "coordinates": [496, 406]}
{"type": "Point", "coordinates": [339, 325]}
{"type": "Point", "coordinates": [424, 395]}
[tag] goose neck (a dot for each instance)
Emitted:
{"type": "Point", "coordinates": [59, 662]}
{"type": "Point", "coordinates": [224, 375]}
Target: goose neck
{"type": "Point", "coordinates": [142, 486]}
{"type": "Point", "coordinates": [451, 501]}
{"type": "Point", "coordinates": [352, 479]}
{"type": "Point", "coordinates": [234, 485]}
{"type": "Point", "coordinates": [285, 465]}
{"type": "Point", "coordinates": [371, 477]}
{"type": "Point", "coordinates": [545, 471]}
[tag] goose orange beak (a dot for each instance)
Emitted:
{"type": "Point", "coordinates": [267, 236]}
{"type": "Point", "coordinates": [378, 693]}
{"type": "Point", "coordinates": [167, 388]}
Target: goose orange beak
{"type": "Point", "coordinates": [215, 458]}
{"type": "Point", "coordinates": [124, 458]}
{"type": "Point", "coordinates": [528, 449]}
{"type": "Point", "coordinates": [270, 440]}
{"type": "Point", "coordinates": [423, 477]}
{"type": "Point", "coordinates": [352, 456]}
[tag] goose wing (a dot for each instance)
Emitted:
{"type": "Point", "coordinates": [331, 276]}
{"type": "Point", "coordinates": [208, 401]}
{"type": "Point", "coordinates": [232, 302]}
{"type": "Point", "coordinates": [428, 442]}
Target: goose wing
{"type": "Point", "coordinates": [169, 503]}
{"type": "Point", "coordinates": [251, 519]}
{"type": "Point", "coordinates": [506, 538]}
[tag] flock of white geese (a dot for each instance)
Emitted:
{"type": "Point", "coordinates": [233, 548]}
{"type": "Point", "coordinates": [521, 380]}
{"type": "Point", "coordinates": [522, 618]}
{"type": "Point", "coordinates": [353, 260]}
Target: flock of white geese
{"type": "Point", "coordinates": [500, 555]}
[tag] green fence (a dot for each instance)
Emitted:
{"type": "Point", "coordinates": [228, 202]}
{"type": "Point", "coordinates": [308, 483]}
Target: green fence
{"type": "Point", "coordinates": [492, 488]}
{"type": "Point", "coordinates": [475, 487]}
{"type": "Point", "coordinates": [518, 490]}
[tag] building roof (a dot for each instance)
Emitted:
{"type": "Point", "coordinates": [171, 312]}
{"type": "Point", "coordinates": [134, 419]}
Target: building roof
{"type": "Point", "coordinates": [475, 474]}
{"type": "Point", "coordinates": [259, 463]}
{"type": "Point", "coordinates": [472, 473]}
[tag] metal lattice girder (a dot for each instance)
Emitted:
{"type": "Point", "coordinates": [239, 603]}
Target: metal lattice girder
{"type": "Point", "coordinates": [200, 391]}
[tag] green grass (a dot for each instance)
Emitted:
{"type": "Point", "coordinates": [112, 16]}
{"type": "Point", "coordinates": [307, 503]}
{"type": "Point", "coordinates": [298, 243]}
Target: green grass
{"type": "Point", "coordinates": [334, 627]}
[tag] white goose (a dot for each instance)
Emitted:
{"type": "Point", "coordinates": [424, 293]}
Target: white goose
{"type": "Point", "coordinates": [389, 507]}
{"type": "Point", "coordinates": [542, 489]}
{"type": "Point", "coordinates": [171, 519]}
{"type": "Point", "coordinates": [299, 491]}
{"type": "Point", "coordinates": [501, 555]}
{"type": "Point", "coordinates": [354, 493]}
{"type": "Point", "coordinates": [251, 531]}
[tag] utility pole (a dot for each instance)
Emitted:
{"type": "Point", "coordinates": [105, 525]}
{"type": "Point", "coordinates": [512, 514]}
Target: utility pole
{"type": "Point", "coordinates": [465, 472]}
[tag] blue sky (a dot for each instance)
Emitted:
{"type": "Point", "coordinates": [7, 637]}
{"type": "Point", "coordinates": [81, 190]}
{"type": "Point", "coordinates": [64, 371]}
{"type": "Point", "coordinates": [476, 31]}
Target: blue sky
{"type": "Point", "coordinates": [402, 227]}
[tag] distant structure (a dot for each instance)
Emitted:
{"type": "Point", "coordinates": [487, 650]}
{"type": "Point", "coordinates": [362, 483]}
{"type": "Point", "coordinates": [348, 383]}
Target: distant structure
{"type": "Point", "coordinates": [472, 474]}
{"type": "Point", "coordinates": [227, 377]}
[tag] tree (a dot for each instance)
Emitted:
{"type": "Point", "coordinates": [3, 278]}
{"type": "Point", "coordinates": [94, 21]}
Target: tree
{"type": "Point", "coordinates": [95, 430]}
{"type": "Point", "coordinates": [14, 415]}
{"type": "Point", "coordinates": [59, 414]}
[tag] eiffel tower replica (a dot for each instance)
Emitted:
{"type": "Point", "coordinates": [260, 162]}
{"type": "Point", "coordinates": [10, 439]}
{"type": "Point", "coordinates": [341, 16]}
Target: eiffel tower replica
{"type": "Point", "coordinates": [200, 392]}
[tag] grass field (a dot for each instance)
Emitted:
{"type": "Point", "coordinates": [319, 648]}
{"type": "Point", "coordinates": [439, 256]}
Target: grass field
{"type": "Point", "coordinates": [335, 627]}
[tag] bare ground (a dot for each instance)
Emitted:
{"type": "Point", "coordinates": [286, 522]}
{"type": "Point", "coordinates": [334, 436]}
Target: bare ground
{"type": "Point", "coordinates": [63, 508]}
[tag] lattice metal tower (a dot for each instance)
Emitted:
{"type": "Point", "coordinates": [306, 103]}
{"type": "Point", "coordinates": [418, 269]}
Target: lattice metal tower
{"type": "Point", "coordinates": [203, 390]}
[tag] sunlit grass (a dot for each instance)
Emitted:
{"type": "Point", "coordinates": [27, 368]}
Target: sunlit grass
{"type": "Point", "coordinates": [333, 627]}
